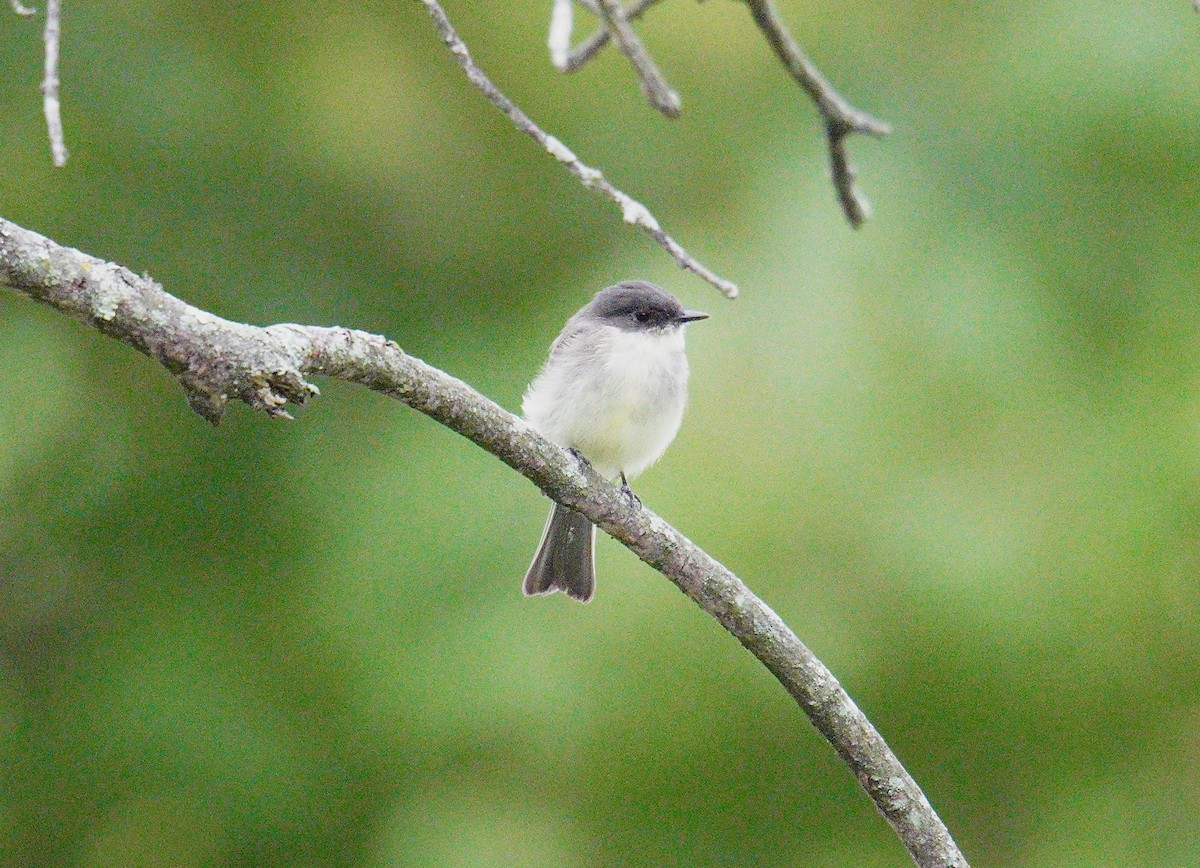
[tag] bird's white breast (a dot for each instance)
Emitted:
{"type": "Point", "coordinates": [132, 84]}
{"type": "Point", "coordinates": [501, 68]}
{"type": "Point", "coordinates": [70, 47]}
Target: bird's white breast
{"type": "Point", "coordinates": [617, 396]}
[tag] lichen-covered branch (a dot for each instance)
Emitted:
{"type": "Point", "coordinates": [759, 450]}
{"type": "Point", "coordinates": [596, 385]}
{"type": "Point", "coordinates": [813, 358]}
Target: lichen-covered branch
{"type": "Point", "coordinates": [631, 210]}
{"type": "Point", "coordinates": [841, 119]}
{"type": "Point", "coordinates": [216, 361]}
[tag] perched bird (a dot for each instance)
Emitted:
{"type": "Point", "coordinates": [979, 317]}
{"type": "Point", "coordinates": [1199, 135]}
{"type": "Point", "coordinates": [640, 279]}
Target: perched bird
{"type": "Point", "coordinates": [612, 391]}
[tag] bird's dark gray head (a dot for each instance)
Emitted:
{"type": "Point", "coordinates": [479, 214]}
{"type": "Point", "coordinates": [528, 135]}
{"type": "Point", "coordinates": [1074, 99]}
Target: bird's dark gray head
{"type": "Point", "coordinates": [635, 305]}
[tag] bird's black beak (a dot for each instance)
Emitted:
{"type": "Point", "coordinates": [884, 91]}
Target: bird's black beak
{"type": "Point", "coordinates": [690, 316]}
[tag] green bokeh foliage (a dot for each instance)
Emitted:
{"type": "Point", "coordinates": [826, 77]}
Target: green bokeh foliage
{"type": "Point", "coordinates": [958, 450]}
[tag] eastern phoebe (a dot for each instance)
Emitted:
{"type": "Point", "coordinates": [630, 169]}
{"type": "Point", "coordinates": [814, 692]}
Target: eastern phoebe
{"type": "Point", "coordinates": [612, 391]}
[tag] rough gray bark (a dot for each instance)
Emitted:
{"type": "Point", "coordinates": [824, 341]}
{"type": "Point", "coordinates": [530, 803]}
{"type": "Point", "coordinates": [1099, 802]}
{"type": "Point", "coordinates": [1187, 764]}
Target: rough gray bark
{"type": "Point", "coordinates": [217, 361]}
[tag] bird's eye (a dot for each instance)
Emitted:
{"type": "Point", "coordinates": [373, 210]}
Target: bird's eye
{"type": "Point", "coordinates": [642, 316]}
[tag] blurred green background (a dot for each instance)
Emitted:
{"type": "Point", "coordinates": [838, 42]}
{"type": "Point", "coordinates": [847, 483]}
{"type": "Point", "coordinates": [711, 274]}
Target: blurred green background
{"type": "Point", "coordinates": [958, 451]}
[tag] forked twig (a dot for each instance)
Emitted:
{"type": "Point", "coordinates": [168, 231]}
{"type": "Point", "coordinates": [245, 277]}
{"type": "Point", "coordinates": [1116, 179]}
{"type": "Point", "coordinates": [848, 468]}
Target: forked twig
{"type": "Point", "coordinates": [840, 117]}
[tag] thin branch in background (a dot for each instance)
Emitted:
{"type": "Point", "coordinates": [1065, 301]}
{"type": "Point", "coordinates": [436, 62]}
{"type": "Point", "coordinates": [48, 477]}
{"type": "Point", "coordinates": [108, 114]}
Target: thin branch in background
{"type": "Point", "coordinates": [562, 22]}
{"type": "Point", "coordinates": [217, 360]}
{"type": "Point", "coordinates": [591, 46]}
{"type": "Point", "coordinates": [50, 104]}
{"type": "Point", "coordinates": [841, 118]}
{"type": "Point", "coordinates": [632, 211]}
{"type": "Point", "coordinates": [654, 85]}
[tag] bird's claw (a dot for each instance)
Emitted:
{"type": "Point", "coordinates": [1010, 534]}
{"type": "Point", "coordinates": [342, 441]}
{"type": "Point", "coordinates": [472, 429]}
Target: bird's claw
{"type": "Point", "coordinates": [633, 499]}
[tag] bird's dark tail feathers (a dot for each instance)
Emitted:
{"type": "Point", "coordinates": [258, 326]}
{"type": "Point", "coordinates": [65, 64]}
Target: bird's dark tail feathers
{"type": "Point", "coordinates": [564, 560]}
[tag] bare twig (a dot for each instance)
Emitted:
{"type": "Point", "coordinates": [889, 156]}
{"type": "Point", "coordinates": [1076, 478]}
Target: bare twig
{"type": "Point", "coordinates": [217, 360]}
{"type": "Point", "coordinates": [588, 49]}
{"type": "Point", "coordinates": [654, 85]}
{"type": "Point", "coordinates": [840, 117]}
{"type": "Point", "coordinates": [631, 210]}
{"type": "Point", "coordinates": [562, 22]}
{"type": "Point", "coordinates": [50, 105]}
